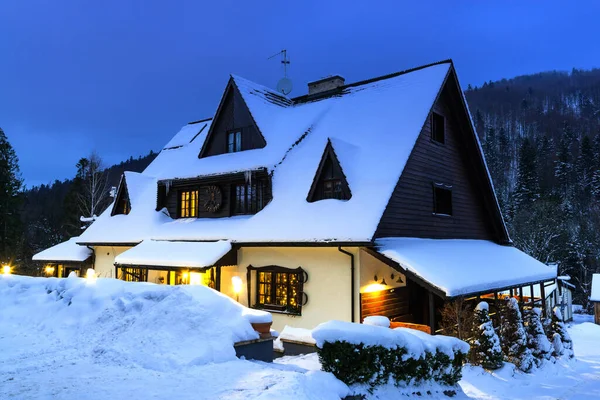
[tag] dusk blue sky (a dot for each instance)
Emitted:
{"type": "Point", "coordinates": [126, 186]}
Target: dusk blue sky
{"type": "Point", "coordinates": [121, 77]}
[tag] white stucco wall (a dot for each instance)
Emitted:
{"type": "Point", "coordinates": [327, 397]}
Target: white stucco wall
{"type": "Point", "coordinates": [104, 262]}
{"type": "Point", "coordinates": [328, 286]}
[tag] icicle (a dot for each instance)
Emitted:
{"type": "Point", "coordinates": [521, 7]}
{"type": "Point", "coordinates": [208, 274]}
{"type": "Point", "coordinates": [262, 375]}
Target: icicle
{"type": "Point", "coordinates": [167, 186]}
{"type": "Point", "coordinates": [248, 177]}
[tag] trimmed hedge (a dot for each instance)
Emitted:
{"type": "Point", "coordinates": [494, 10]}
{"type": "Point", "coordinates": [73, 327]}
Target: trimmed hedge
{"type": "Point", "coordinates": [377, 365]}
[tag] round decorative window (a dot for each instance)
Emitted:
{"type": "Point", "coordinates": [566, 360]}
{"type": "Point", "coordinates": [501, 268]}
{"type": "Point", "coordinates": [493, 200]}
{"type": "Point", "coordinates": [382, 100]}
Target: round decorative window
{"type": "Point", "coordinates": [213, 198]}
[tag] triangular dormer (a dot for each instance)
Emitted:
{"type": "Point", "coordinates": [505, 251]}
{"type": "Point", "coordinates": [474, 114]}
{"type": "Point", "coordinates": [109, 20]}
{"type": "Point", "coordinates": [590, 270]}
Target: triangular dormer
{"type": "Point", "coordinates": [233, 128]}
{"type": "Point", "coordinates": [329, 181]}
{"type": "Point", "coordinates": [122, 204]}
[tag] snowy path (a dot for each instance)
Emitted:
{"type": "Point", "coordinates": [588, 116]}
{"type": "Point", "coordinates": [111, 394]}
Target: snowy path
{"type": "Point", "coordinates": [34, 367]}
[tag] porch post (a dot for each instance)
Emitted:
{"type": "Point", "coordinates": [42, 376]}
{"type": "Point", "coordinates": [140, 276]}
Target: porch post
{"type": "Point", "coordinates": [543, 294]}
{"type": "Point", "coordinates": [431, 313]}
{"type": "Point", "coordinates": [532, 297]}
{"type": "Point", "coordinates": [218, 279]}
{"type": "Point", "coordinates": [521, 295]}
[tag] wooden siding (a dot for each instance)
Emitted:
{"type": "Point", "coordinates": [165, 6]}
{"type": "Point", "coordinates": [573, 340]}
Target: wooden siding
{"type": "Point", "coordinates": [409, 212]}
{"type": "Point", "coordinates": [232, 115]}
{"type": "Point", "coordinates": [391, 303]}
{"type": "Point", "coordinates": [225, 183]}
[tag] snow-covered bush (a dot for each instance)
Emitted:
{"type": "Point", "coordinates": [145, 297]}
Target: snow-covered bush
{"type": "Point", "coordinates": [537, 342]}
{"type": "Point", "coordinates": [373, 355]}
{"type": "Point", "coordinates": [513, 337]}
{"type": "Point", "coordinates": [558, 335]}
{"type": "Point", "coordinates": [485, 344]}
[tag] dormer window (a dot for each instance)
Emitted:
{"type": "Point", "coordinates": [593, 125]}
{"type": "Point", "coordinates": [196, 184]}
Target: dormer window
{"type": "Point", "coordinates": [234, 141]}
{"type": "Point", "coordinates": [188, 204]}
{"type": "Point", "coordinates": [249, 198]}
{"type": "Point", "coordinates": [332, 189]}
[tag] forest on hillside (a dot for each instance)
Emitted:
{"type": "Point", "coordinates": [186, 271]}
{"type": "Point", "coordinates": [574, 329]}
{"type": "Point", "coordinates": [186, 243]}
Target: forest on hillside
{"type": "Point", "coordinates": [541, 138]}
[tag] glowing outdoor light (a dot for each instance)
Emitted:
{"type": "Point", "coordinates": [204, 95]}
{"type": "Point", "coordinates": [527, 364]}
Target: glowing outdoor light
{"type": "Point", "coordinates": [184, 277]}
{"type": "Point", "coordinates": [90, 275]}
{"type": "Point", "coordinates": [6, 270]}
{"type": "Point", "coordinates": [49, 270]}
{"type": "Point", "coordinates": [236, 281]}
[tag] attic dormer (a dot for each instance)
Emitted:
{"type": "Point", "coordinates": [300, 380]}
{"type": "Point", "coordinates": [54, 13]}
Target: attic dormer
{"type": "Point", "coordinates": [329, 181]}
{"type": "Point", "coordinates": [233, 129]}
{"type": "Point", "coordinates": [122, 204]}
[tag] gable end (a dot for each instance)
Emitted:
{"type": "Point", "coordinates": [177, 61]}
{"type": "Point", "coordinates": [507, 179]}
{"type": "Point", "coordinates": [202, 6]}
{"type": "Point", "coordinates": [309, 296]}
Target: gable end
{"type": "Point", "coordinates": [122, 204]}
{"type": "Point", "coordinates": [329, 178]}
{"type": "Point", "coordinates": [232, 116]}
{"type": "Point", "coordinates": [455, 163]}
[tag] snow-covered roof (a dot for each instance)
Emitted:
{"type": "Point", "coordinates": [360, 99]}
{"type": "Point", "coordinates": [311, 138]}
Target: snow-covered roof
{"type": "Point", "coordinates": [461, 266]}
{"type": "Point", "coordinates": [595, 296]}
{"type": "Point", "coordinates": [68, 251]}
{"type": "Point", "coordinates": [187, 134]}
{"type": "Point", "coordinates": [174, 254]}
{"type": "Point", "coordinates": [135, 226]}
{"type": "Point", "coordinates": [372, 127]}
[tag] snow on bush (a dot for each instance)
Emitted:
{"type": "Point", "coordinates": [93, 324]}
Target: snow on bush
{"type": "Point", "coordinates": [154, 326]}
{"type": "Point", "coordinates": [377, 321]}
{"type": "Point", "coordinates": [374, 355]}
{"type": "Point", "coordinates": [514, 338]}
{"type": "Point", "coordinates": [558, 335]}
{"type": "Point", "coordinates": [485, 344]}
{"type": "Point", "coordinates": [537, 342]}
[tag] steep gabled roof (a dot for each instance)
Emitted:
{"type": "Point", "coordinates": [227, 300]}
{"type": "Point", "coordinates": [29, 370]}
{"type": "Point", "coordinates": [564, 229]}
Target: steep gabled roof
{"type": "Point", "coordinates": [373, 127]}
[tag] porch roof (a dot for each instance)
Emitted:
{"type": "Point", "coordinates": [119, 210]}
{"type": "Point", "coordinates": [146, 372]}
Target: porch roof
{"type": "Point", "coordinates": [175, 254]}
{"type": "Point", "coordinates": [460, 267]}
{"type": "Point", "coordinates": [68, 251]}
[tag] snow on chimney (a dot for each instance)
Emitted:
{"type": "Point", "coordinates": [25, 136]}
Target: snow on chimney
{"type": "Point", "coordinates": [325, 84]}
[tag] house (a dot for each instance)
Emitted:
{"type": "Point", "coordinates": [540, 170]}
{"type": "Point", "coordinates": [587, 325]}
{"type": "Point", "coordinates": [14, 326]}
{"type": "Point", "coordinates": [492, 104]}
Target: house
{"type": "Point", "coordinates": [595, 297]}
{"type": "Point", "coordinates": [369, 198]}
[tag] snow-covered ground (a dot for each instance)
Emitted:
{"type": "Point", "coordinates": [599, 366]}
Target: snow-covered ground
{"type": "Point", "coordinates": [47, 353]}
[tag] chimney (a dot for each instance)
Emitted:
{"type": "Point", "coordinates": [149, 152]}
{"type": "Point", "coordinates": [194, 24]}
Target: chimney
{"type": "Point", "coordinates": [325, 84]}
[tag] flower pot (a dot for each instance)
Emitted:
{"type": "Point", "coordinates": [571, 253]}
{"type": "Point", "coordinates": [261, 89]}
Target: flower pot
{"type": "Point", "coordinates": [263, 328]}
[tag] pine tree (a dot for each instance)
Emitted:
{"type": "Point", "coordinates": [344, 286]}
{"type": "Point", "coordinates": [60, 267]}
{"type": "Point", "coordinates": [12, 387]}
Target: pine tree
{"type": "Point", "coordinates": [10, 200]}
{"type": "Point", "coordinates": [485, 345]}
{"type": "Point", "coordinates": [537, 342]}
{"type": "Point", "coordinates": [527, 190]}
{"type": "Point", "coordinates": [514, 338]}
{"type": "Point", "coordinates": [563, 168]}
{"type": "Point", "coordinates": [585, 172]}
{"type": "Point", "coordinates": [561, 340]}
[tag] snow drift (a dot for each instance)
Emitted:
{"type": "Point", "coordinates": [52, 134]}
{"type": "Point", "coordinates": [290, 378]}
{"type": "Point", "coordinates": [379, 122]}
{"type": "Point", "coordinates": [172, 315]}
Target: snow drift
{"type": "Point", "coordinates": [154, 326]}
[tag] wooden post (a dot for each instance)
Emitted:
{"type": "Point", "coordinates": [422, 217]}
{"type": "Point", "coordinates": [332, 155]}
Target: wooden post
{"type": "Point", "coordinates": [521, 295]}
{"type": "Point", "coordinates": [543, 294]}
{"type": "Point", "coordinates": [218, 278]}
{"type": "Point", "coordinates": [431, 313]}
{"type": "Point", "coordinates": [532, 296]}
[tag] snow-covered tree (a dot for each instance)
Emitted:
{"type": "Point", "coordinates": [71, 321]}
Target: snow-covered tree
{"type": "Point", "coordinates": [94, 188]}
{"type": "Point", "coordinates": [537, 342]}
{"type": "Point", "coordinates": [485, 344]}
{"type": "Point", "coordinates": [514, 338]}
{"type": "Point", "coordinates": [10, 200]}
{"type": "Point", "coordinates": [558, 335]}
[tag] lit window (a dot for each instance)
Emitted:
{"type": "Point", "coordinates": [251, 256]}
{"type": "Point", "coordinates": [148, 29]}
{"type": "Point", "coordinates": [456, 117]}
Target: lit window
{"type": "Point", "coordinates": [279, 290]}
{"type": "Point", "coordinates": [234, 142]}
{"type": "Point", "coordinates": [442, 201]}
{"type": "Point", "coordinates": [188, 204]}
{"type": "Point", "coordinates": [438, 128]}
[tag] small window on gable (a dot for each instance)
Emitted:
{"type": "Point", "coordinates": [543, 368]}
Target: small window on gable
{"type": "Point", "coordinates": [330, 182]}
{"type": "Point", "coordinates": [442, 200]}
{"type": "Point", "coordinates": [122, 204]}
{"type": "Point", "coordinates": [188, 204]}
{"type": "Point", "coordinates": [234, 141]}
{"type": "Point", "coordinates": [438, 128]}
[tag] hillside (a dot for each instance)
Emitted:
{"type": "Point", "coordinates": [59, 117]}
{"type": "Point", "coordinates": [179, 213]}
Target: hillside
{"type": "Point", "coordinates": [540, 134]}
